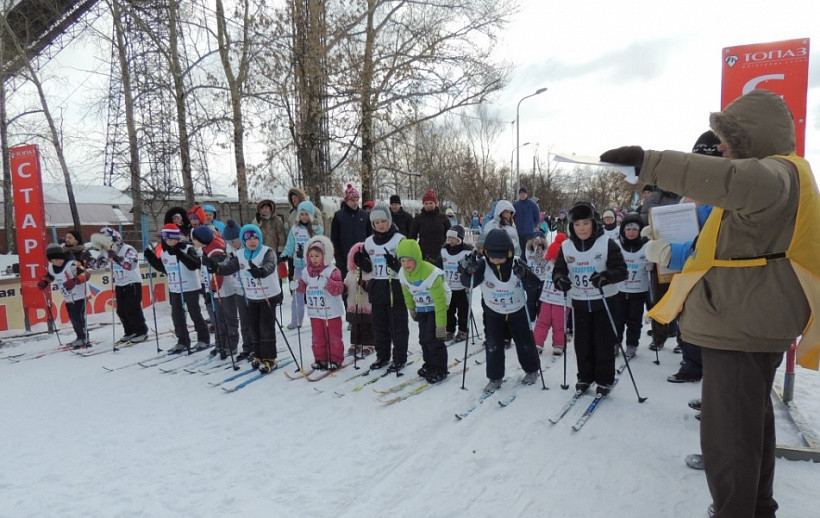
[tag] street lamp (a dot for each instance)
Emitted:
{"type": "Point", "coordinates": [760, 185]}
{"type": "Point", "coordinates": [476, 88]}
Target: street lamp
{"type": "Point", "coordinates": [517, 132]}
{"type": "Point", "coordinates": [511, 159]}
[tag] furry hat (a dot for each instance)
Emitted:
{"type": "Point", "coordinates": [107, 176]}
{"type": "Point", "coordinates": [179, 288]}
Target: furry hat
{"type": "Point", "coordinates": [55, 251]}
{"type": "Point", "coordinates": [321, 243]}
{"type": "Point", "coordinates": [457, 232]}
{"type": "Point", "coordinates": [555, 247]}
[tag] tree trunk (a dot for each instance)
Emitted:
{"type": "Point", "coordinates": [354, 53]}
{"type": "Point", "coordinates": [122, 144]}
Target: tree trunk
{"type": "Point", "coordinates": [8, 207]}
{"type": "Point", "coordinates": [133, 144]}
{"type": "Point", "coordinates": [366, 131]}
{"type": "Point", "coordinates": [179, 100]}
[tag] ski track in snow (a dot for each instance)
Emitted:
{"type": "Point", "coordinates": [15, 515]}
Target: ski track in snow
{"type": "Point", "coordinates": [79, 441]}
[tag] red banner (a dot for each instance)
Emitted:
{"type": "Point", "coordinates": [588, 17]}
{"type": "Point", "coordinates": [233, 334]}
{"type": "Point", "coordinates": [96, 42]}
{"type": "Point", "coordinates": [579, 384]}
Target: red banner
{"type": "Point", "coordinates": [781, 67]}
{"type": "Point", "coordinates": [29, 222]}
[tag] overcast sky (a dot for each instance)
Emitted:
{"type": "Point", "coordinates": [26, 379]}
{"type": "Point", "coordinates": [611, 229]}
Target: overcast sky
{"type": "Point", "coordinates": [637, 72]}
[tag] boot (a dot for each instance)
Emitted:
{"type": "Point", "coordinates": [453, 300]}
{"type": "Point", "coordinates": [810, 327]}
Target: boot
{"type": "Point", "coordinates": [460, 336]}
{"type": "Point", "coordinates": [267, 366]}
{"type": "Point", "coordinates": [529, 378]}
{"type": "Point", "coordinates": [436, 376]}
{"type": "Point", "coordinates": [582, 386]}
{"type": "Point", "coordinates": [379, 364]}
{"type": "Point", "coordinates": [395, 367]}
{"type": "Point", "coordinates": [631, 351]}
{"type": "Point", "coordinates": [178, 348]}
{"type": "Point", "coordinates": [682, 377]}
{"type": "Point", "coordinates": [125, 339]}
{"type": "Point", "coordinates": [492, 386]}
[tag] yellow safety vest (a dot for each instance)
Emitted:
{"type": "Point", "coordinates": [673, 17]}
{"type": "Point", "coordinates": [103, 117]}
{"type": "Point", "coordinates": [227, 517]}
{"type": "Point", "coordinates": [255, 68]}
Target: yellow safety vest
{"type": "Point", "coordinates": [803, 252]}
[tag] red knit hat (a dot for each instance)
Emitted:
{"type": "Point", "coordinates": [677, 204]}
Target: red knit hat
{"type": "Point", "coordinates": [170, 231]}
{"type": "Point", "coordinates": [430, 195]}
{"type": "Point", "coordinates": [555, 246]}
{"type": "Point", "coordinates": [351, 193]}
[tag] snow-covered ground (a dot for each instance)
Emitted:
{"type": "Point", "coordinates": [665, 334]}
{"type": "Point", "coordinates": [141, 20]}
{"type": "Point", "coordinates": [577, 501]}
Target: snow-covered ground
{"type": "Point", "coordinates": [78, 441]}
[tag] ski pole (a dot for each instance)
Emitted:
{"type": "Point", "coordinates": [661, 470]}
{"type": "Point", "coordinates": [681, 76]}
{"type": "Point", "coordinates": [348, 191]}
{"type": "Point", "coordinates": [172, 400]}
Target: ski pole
{"type": "Point", "coordinates": [532, 336]}
{"type": "Point", "coordinates": [153, 304]}
{"type": "Point", "coordinates": [467, 342]}
{"type": "Point", "coordinates": [652, 287]}
{"type": "Point", "coordinates": [184, 305]}
{"type": "Point", "coordinates": [620, 346]}
{"type": "Point", "coordinates": [51, 320]}
{"type": "Point", "coordinates": [565, 386]}
{"type": "Point", "coordinates": [474, 325]}
{"type": "Point", "coordinates": [392, 324]}
{"type": "Point", "coordinates": [357, 322]}
{"type": "Point", "coordinates": [113, 313]}
{"type": "Point", "coordinates": [279, 325]}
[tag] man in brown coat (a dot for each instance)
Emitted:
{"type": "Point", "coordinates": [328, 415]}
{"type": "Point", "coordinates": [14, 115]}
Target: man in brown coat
{"type": "Point", "coordinates": [739, 296]}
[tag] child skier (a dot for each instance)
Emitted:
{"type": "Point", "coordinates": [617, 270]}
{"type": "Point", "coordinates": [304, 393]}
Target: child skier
{"type": "Point", "coordinates": [635, 287]}
{"type": "Point", "coordinates": [504, 281]}
{"type": "Point", "coordinates": [304, 229]}
{"type": "Point", "coordinates": [425, 294]}
{"type": "Point", "coordinates": [389, 312]}
{"type": "Point", "coordinates": [551, 314]}
{"type": "Point", "coordinates": [180, 263]}
{"type": "Point", "coordinates": [256, 264]}
{"type": "Point", "coordinates": [594, 263]}
{"type": "Point", "coordinates": [233, 245]}
{"type": "Point", "coordinates": [321, 284]}
{"type": "Point", "coordinates": [504, 219]}
{"type": "Point", "coordinates": [69, 275]}
{"type": "Point", "coordinates": [222, 290]}
{"type": "Point", "coordinates": [534, 253]}
{"type": "Point", "coordinates": [124, 262]}
{"type": "Point", "coordinates": [358, 309]}
{"type": "Point", "coordinates": [454, 251]}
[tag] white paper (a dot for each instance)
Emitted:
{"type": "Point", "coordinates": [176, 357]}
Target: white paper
{"type": "Point", "coordinates": [628, 171]}
{"type": "Point", "coordinates": [674, 224]}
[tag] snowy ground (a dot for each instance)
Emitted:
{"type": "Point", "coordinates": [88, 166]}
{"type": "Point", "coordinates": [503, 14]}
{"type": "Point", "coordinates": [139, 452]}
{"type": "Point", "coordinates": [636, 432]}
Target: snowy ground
{"type": "Point", "coordinates": [79, 441]}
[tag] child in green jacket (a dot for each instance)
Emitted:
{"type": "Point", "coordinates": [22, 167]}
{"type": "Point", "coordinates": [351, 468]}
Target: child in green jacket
{"type": "Point", "coordinates": [425, 294]}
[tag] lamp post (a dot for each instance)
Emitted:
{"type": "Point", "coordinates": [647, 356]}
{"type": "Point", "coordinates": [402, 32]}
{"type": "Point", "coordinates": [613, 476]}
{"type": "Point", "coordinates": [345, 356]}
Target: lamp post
{"type": "Point", "coordinates": [511, 159]}
{"type": "Point", "coordinates": [517, 132]}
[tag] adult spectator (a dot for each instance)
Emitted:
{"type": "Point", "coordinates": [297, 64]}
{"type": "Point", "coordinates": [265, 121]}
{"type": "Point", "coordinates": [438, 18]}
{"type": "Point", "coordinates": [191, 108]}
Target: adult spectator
{"type": "Point", "coordinates": [350, 225]}
{"type": "Point", "coordinates": [748, 290]}
{"type": "Point", "coordinates": [527, 217]}
{"type": "Point", "coordinates": [295, 197]}
{"type": "Point", "coordinates": [430, 228]}
{"type": "Point", "coordinates": [475, 221]}
{"type": "Point", "coordinates": [451, 217]}
{"type": "Point", "coordinates": [657, 198]}
{"type": "Point", "coordinates": [401, 218]}
{"type": "Point", "coordinates": [271, 225]}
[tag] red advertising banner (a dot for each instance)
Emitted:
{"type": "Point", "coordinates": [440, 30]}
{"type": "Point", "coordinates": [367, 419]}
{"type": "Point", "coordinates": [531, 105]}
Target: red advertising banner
{"type": "Point", "coordinates": [781, 67]}
{"type": "Point", "coordinates": [29, 222]}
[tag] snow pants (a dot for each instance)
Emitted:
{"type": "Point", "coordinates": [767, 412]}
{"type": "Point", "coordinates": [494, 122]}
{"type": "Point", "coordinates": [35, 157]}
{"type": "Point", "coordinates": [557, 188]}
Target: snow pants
{"type": "Point", "coordinates": [433, 350]}
{"type": "Point", "coordinates": [297, 303]}
{"type": "Point", "coordinates": [76, 313]}
{"type": "Point", "coordinates": [519, 327]}
{"type": "Point", "coordinates": [390, 326]}
{"type": "Point", "coordinates": [129, 308]}
{"type": "Point", "coordinates": [244, 323]}
{"type": "Point", "coordinates": [595, 347]}
{"type": "Point", "coordinates": [361, 328]}
{"type": "Point", "coordinates": [737, 432]}
{"type": "Point", "coordinates": [326, 338]}
{"type": "Point", "coordinates": [191, 304]}
{"type": "Point", "coordinates": [262, 328]}
{"type": "Point", "coordinates": [457, 311]}
{"type": "Point", "coordinates": [550, 316]}
{"type": "Point", "coordinates": [227, 325]}
{"type": "Point", "coordinates": [631, 317]}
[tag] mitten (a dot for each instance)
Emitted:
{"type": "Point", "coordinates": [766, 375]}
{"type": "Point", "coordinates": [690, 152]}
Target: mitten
{"type": "Point", "coordinates": [626, 155]}
{"type": "Point", "coordinates": [519, 270]}
{"type": "Point", "coordinates": [563, 283]}
{"type": "Point", "coordinates": [647, 232]}
{"type": "Point", "coordinates": [70, 283]}
{"type": "Point", "coordinates": [599, 279]}
{"type": "Point", "coordinates": [277, 299]}
{"type": "Point", "coordinates": [414, 315]}
{"type": "Point", "coordinates": [358, 257]}
{"type": "Point", "coordinates": [441, 333]}
{"type": "Point", "coordinates": [300, 252]}
{"type": "Point", "coordinates": [658, 251]}
{"type": "Point", "coordinates": [42, 284]}
{"type": "Point", "coordinates": [256, 272]}
{"type": "Point", "coordinates": [210, 264]}
{"type": "Point", "coordinates": [293, 285]}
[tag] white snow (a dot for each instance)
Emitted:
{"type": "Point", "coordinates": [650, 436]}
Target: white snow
{"type": "Point", "coordinates": [79, 441]}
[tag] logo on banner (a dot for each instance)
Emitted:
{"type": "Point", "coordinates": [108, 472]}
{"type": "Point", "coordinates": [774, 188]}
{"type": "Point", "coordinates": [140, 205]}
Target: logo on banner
{"type": "Point", "coordinates": [731, 60]}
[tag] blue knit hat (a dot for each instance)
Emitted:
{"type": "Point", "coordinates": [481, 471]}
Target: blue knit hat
{"type": "Point", "coordinates": [203, 234]}
{"type": "Point", "coordinates": [231, 231]}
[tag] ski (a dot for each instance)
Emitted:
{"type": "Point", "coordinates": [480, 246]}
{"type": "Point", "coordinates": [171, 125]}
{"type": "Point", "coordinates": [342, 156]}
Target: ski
{"type": "Point", "coordinates": [590, 409]}
{"type": "Point", "coordinates": [301, 374]}
{"type": "Point", "coordinates": [258, 377]}
{"type": "Point", "coordinates": [324, 374]}
{"type": "Point", "coordinates": [567, 406]}
{"type": "Point", "coordinates": [507, 401]}
{"type": "Point", "coordinates": [474, 406]}
{"type": "Point", "coordinates": [152, 358]}
{"type": "Point", "coordinates": [319, 390]}
{"type": "Point", "coordinates": [232, 377]}
{"type": "Point", "coordinates": [416, 391]}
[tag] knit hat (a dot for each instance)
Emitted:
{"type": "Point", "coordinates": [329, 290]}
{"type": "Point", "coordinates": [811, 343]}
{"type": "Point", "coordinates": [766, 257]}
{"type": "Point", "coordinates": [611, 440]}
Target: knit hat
{"type": "Point", "coordinates": [55, 251]}
{"type": "Point", "coordinates": [170, 231]}
{"type": "Point", "coordinates": [608, 213]}
{"type": "Point", "coordinates": [209, 208]}
{"type": "Point", "coordinates": [250, 232]}
{"type": "Point", "coordinates": [351, 193]}
{"type": "Point", "coordinates": [203, 234]}
{"type": "Point", "coordinates": [707, 144]}
{"type": "Point", "coordinates": [456, 231]}
{"type": "Point", "coordinates": [430, 195]}
{"type": "Point", "coordinates": [115, 236]}
{"type": "Point", "coordinates": [498, 244]}
{"type": "Point", "coordinates": [197, 212]}
{"type": "Point", "coordinates": [369, 204]}
{"type": "Point", "coordinates": [522, 190]}
{"type": "Point", "coordinates": [555, 247]}
{"type": "Point", "coordinates": [380, 212]}
{"type": "Point", "coordinates": [395, 199]}
{"type": "Point", "coordinates": [231, 230]}
{"type": "Point", "coordinates": [306, 207]}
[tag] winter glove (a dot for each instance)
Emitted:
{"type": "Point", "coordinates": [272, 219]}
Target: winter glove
{"type": "Point", "coordinates": [563, 283]}
{"type": "Point", "coordinates": [391, 261]}
{"type": "Point", "coordinates": [42, 284]}
{"type": "Point", "coordinates": [414, 315]}
{"type": "Point", "coordinates": [293, 285]}
{"type": "Point", "coordinates": [278, 298]}
{"type": "Point", "coordinates": [358, 258]}
{"type": "Point", "coordinates": [626, 155]}
{"type": "Point", "coordinates": [149, 253]}
{"type": "Point", "coordinates": [210, 264]}
{"type": "Point", "coordinates": [658, 251]}
{"type": "Point", "coordinates": [519, 270]}
{"type": "Point", "coordinates": [86, 257]}
{"type": "Point", "coordinates": [300, 252]}
{"type": "Point", "coordinates": [70, 283]}
{"type": "Point", "coordinates": [599, 279]}
{"type": "Point", "coordinates": [441, 333]}
{"type": "Point", "coordinates": [470, 264]}
{"type": "Point", "coordinates": [256, 272]}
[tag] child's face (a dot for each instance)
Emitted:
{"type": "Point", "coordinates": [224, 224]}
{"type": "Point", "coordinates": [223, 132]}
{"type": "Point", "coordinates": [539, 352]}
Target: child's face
{"type": "Point", "coordinates": [631, 233]}
{"type": "Point", "coordinates": [172, 242]}
{"type": "Point", "coordinates": [194, 221]}
{"type": "Point", "coordinates": [252, 243]}
{"type": "Point", "coordinates": [177, 219]}
{"type": "Point", "coordinates": [235, 243]}
{"type": "Point", "coordinates": [316, 256]}
{"type": "Point", "coordinates": [408, 264]}
{"type": "Point", "coordinates": [609, 220]}
{"type": "Point", "coordinates": [70, 240]}
{"type": "Point", "coordinates": [381, 225]}
{"type": "Point", "coordinates": [57, 262]}
{"type": "Point", "coordinates": [304, 217]}
{"type": "Point", "coordinates": [506, 215]}
{"type": "Point", "coordinates": [583, 228]}
{"type": "Point", "coordinates": [452, 241]}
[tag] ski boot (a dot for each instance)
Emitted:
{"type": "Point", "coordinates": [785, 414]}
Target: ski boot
{"type": "Point", "coordinates": [267, 366]}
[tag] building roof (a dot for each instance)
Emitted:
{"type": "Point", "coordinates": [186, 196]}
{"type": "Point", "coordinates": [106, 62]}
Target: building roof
{"type": "Point", "coordinates": [96, 205]}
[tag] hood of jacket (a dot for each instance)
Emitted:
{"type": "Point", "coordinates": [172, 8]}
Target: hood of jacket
{"type": "Point", "coordinates": [308, 207]}
{"type": "Point", "coordinates": [197, 210]}
{"type": "Point", "coordinates": [169, 216]}
{"type": "Point", "coordinates": [217, 244]}
{"type": "Point", "coordinates": [632, 244]}
{"type": "Point", "coordinates": [298, 192]}
{"type": "Point", "coordinates": [756, 125]}
{"type": "Point", "coordinates": [322, 243]}
{"type": "Point", "coordinates": [264, 202]}
{"type": "Point", "coordinates": [410, 248]}
{"type": "Point", "coordinates": [258, 231]}
{"type": "Point", "coordinates": [501, 206]}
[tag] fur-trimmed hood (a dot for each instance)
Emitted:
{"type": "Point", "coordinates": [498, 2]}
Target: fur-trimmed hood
{"type": "Point", "coordinates": [756, 125]}
{"type": "Point", "coordinates": [298, 192]}
{"type": "Point", "coordinates": [323, 244]}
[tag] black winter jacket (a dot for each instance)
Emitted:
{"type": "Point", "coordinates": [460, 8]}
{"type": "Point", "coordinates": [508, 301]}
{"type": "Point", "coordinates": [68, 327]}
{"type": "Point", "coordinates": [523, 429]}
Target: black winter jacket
{"type": "Point", "coordinates": [430, 229]}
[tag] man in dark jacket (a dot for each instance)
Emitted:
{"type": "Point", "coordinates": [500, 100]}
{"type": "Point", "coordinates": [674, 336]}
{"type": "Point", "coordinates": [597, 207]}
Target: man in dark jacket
{"type": "Point", "coordinates": [350, 225]}
{"type": "Point", "coordinates": [401, 218]}
{"type": "Point", "coordinates": [430, 228]}
{"type": "Point", "coordinates": [527, 217]}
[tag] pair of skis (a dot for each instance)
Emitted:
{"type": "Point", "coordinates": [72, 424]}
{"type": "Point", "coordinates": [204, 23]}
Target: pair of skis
{"type": "Point", "coordinates": [590, 408]}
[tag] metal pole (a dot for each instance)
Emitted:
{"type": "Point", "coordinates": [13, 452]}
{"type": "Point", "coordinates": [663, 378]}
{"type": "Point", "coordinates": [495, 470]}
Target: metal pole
{"type": "Point", "coordinates": [517, 136]}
